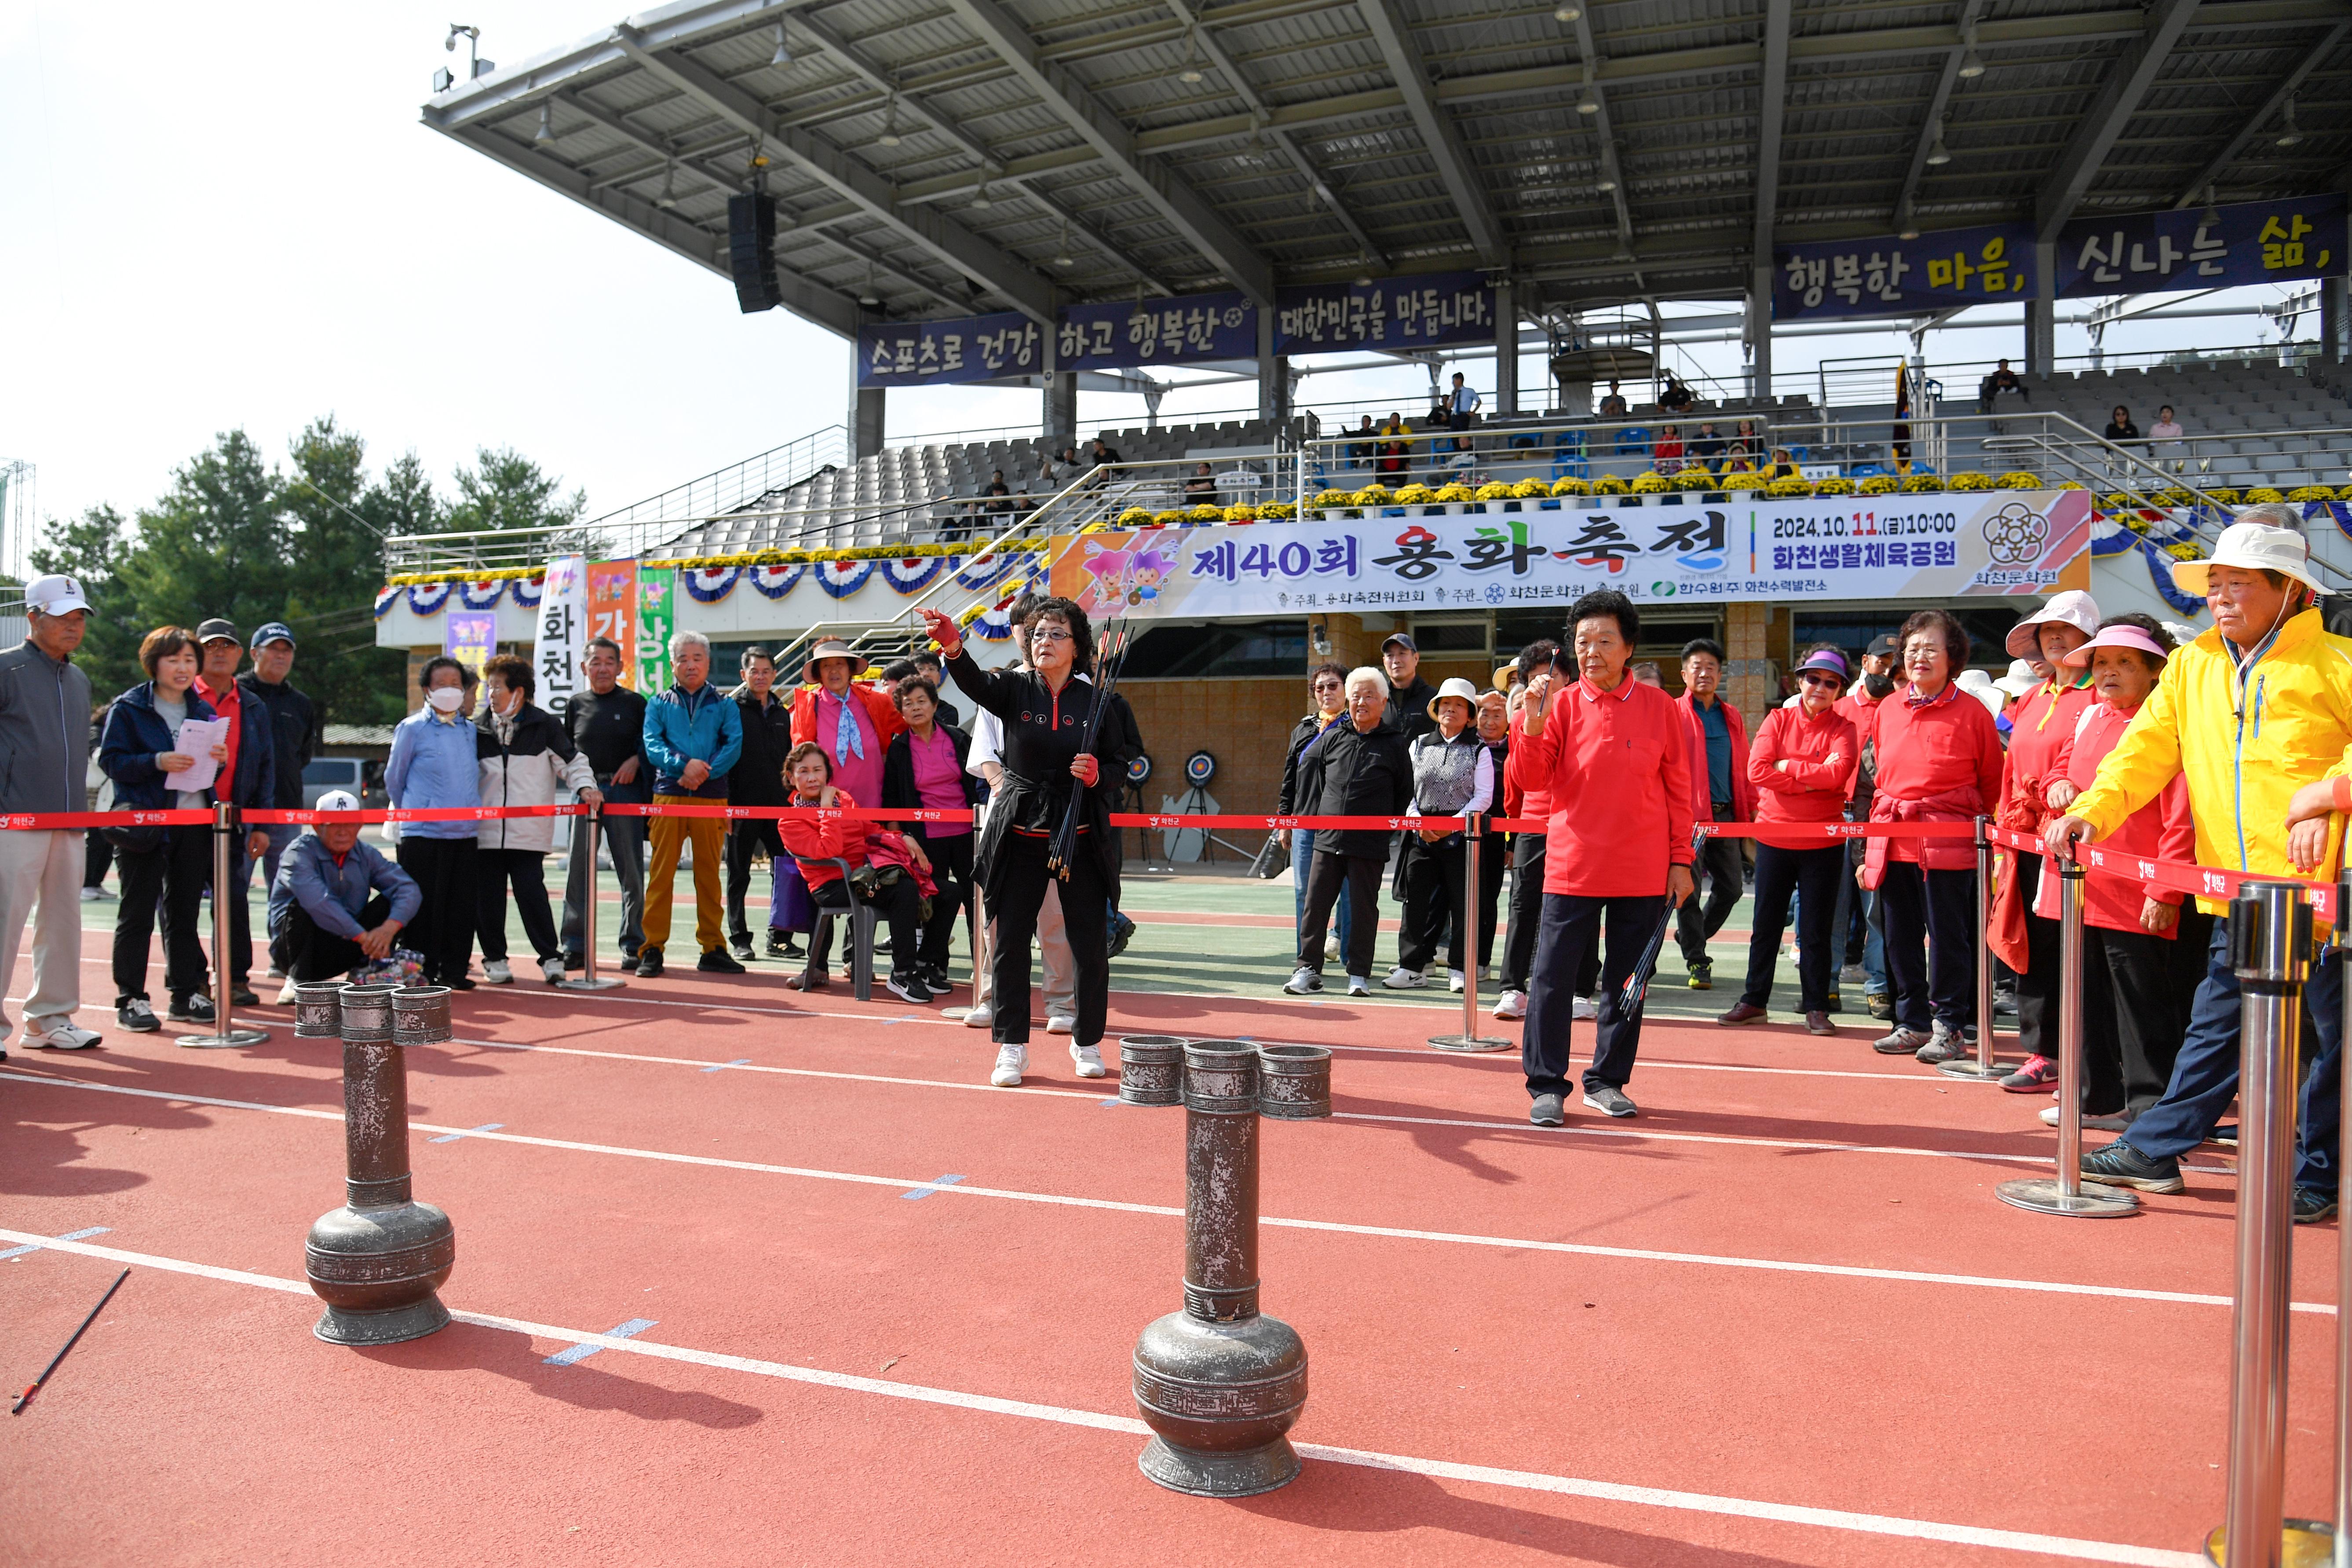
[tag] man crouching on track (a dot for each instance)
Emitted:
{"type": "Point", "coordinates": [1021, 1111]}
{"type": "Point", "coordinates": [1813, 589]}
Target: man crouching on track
{"type": "Point", "coordinates": [1619, 844]}
{"type": "Point", "coordinates": [2257, 713]}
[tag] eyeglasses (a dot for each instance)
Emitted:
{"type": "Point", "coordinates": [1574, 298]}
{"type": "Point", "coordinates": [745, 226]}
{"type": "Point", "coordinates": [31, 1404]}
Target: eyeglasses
{"type": "Point", "coordinates": [1326, 686]}
{"type": "Point", "coordinates": [1050, 635]}
{"type": "Point", "coordinates": [1817, 678]}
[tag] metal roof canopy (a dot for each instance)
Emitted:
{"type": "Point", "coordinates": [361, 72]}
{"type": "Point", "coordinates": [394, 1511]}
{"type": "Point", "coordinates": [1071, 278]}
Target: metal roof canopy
{"type": "Point", "coordinates": [945, 157]}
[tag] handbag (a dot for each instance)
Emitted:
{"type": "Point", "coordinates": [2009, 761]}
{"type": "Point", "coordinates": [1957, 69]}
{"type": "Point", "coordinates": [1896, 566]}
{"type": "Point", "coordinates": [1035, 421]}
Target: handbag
{"type": "Point", "coordinates": [135, 838]}
{"type": "Point", "coordinates": [1273, 859]}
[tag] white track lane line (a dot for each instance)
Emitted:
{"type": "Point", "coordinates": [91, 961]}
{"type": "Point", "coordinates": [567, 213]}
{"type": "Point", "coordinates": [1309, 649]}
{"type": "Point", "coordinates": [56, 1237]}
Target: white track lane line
{"type": "Point", "coordinates": [1581, 1249]}
{"type": "Point", "coordinates": [1442, 1470]}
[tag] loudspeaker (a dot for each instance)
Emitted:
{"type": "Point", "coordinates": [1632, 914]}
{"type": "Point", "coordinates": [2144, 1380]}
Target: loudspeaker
{"type": "Point", "coordinates": [752, 252]}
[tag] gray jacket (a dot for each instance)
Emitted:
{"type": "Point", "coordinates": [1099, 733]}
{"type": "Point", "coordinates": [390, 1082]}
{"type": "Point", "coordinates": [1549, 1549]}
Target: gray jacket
{"type": "Point", "coordinates": [44, 733]}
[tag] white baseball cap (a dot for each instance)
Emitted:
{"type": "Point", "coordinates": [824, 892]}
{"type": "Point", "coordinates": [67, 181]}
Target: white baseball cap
{"type": "Point", "coordinates": [55, 596]}
{"type": "Point", "coordinates": [337, 800]}
{"type": "Point", "coordinates": [2072, 608]}
{"type": "Point", "coordinates": [2254, 546]}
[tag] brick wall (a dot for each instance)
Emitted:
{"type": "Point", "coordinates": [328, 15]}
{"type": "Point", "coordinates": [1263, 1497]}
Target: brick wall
{"type": "Point", "coordinates": [1244, 723]}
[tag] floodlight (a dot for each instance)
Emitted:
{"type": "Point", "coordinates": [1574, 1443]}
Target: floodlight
{"type": "Point", "coordinates": [1971, 63]}
{"type": "Point", "coordinates": [1587, 103]}
{"type": "Point", "coordinates": [783, 55]}
{"type": "Point", "coordinates": [1937, 154]}
{"type": "Point", "coordinates": [2288, 136]}
{"type": "Point", "coordinates": [1606, 184]}
{"type": "Point", "coordinates": [443, 80]}
{"type": "Point", "coordinates": [890, 137]}
{"type": "Point", "coordinates": [1568, 13]}
{"type": "Point", "coordinates": [546, 132]}
{"type": "Point", "coordinates": [666, 200]}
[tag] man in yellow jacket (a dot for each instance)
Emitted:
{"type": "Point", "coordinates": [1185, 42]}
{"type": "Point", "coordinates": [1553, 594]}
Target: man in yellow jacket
{"type": "Point", "coordinates": [2253, 713]}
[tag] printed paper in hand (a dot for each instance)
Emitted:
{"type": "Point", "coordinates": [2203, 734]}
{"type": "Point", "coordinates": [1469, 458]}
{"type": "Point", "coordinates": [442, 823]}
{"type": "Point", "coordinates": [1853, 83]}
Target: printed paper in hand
{"type": "Point", "coordinates": [197, 738]}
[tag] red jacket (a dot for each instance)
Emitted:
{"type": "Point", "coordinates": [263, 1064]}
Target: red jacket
{"type": "Point", "coordinates": [2160, 831]}
{"type": "Point", "coordinates": [816, 841]}
{"type": "Point", "coordinates": [2041, 732]}
{"type": "Point", "coordinates": [879, 708]}
{"type": "Point", "coordinates": [1743, 793]}
{"type": "Point", "coordinates": [1938, 761]}
{"type": "Point", "coordinates": [1812, 789]}
{"type": "Point", "coordinates": [1618, 767]}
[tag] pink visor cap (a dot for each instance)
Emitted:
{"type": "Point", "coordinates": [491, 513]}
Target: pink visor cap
{"type": "Point", "coordinates": [2117, 637]}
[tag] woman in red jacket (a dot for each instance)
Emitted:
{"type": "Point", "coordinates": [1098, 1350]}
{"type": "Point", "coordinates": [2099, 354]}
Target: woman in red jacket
{"type": "Point", "coordinates": [2135, 992]}
{"type": "Point", "coordinates": [1939, 760]}
{"type": "Point", "coordinates": [1803, 767]}
{"type": "Point", "coordinates": [817, 842]}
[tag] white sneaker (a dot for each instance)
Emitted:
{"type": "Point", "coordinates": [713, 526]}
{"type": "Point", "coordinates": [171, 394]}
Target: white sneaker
{"type": "Point", "coordinates": [61, 1036]}
{"type": "Point", "coordinates": [91, 895]}
{"type": "Point", "coordinates": [1060, 1024]}
{"type": "Point", "coordinates": [1360, 986]}
{"type": "Point", "coordinates": [979, 1017]}
{"type": "Point", "coordinates": [1454, 981]}
{"type": "Point", "coordinates": [276, 973]}
{"type": "Point", "coordinates": [496, 972]}
{"type": "Point", "coordinates": [1511, 1005]}
{"type": "Point", "coordinates": [1011, 1061]}
{"type": "Point", "coordinates": [553, 969]}
{"type": "Point", "coordinates": [1584, 1009]}
{"type": "Point", "coordinates": [1089, 1060]}
{"type": "Point", "coordinates": [1303, 981]}
{"type": "Point", "coordinates": [1403, 979]}
{"type": "Point", "coordinates": [287, 994]}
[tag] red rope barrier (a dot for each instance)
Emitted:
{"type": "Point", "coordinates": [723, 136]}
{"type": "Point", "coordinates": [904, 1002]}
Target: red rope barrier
{"type": "Point", "coordinates": [2173, 875]}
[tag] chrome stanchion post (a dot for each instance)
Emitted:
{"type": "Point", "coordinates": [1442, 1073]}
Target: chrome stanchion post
{"type": "Point", "coordinates": [1469, 1039]}
{"type": "Point", "coordinates": [223, 862]}
{"type": "Point", "coordinates": [2270, 945]}
{"type": "Point", "coordinates": [589, 980]}
{"type": "Point", "coordinates": [2066, 1194]}
{"type": "Point", "coordinates": [1983, 1069]}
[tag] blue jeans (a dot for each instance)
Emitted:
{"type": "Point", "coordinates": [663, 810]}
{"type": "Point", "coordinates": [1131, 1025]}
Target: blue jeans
{"type": "Point", "coordinates": [2205, 1075]}
{"type": "Point", "coordinates": [1302, 860]}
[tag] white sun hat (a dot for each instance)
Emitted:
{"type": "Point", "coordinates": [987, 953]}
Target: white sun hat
{"type": "Point", "coordinates": [2254, 547]}
{"type": "Point", "coordinates": [2072, 608]}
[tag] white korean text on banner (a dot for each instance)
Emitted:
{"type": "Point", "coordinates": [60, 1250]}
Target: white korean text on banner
{"type": "Point", "coordinates": [562, 632]}
{"type": "Point", "coordinates": [1427, 311]}
{"type": "Point", "coordinates": [1850, 547]}
{"type": "Point", "coordinates": [1891, 276]}
{"type": "Point", "coordinates": [941, 354]}
{"type": "Point", "coordinates": [1186, 328]}
{"type": "Point", "coordinates": [2247, 242]}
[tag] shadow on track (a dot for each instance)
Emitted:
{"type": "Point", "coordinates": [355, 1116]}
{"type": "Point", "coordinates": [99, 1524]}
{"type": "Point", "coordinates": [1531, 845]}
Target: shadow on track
{"type": "Point", "coordinates": [586, 1386]}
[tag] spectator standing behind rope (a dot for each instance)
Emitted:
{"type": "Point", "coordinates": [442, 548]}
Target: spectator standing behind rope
{"type": "Point", "coordinates": [924, 768]}
{"type": "Point", "coordinates": [1452, 775]}
{"type": "Point", "coordinates": [294, 733]}
{"type": "Point", "coordinates": [1526, 796]}
{"type": "Point", "coordinates": [1409, 694]}
{"type": "Point", "coordinates": [1327, 689]}
{"type": "Point", "coordinates": [1361, 768]}
{"type": "Point", "coordinates": [527, 759]}
{"type": "Point", "coordinates": [1493, 849]}
{"type": "Point", "coordinates": [1613, 753]}
{"type": "Point", "coordinates": [1859, 924]}
{"type": "Point", "coordinates": [434, 764]}
{"type": "Point", "coordinates": [607, 723]}
{"type": "Point", "coordinates": [166, 865]}
{"type": "Point", "coordinates": [1045, 713]}
{"type": "Point", "coordinates": [1939, 760]}
{"type": "Point", "coordinates": [693, 738]}
{"type": "Point", "coordinates": [1802, 769]}
{"type": "Point", "coordinates": [2256, 714]}
{"type": "Point", "coordinates": [2040, 729]}
{"type": "Point", "coordinates": [336, 903]}
{"type": "Point", "coordinates": [1719, 787]}
{"type": "Point", "coordinates": [251, 775]}
{"type": "Point", "coordinates": [757, 779]}
{"type": "Point", "coordinates": [2136, 996]}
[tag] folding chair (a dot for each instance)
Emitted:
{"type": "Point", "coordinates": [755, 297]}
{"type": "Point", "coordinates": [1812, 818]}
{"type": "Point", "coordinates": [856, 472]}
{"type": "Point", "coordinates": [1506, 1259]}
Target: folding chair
{"type": "Point", "coordinates": [861, 936]}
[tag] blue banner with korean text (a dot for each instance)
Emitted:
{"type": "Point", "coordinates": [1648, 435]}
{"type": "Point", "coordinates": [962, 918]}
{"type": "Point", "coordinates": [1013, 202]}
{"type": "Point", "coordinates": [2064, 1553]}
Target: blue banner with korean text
{"type": "Point", "coordinates": [2247, 242]}
{"type": "Point", "coordinates": [1891, 276]}
{"type": "Point", "coordinates": [945, 353]}
{"type": "Point", "coordinates": [1431, 311]}
{"type": "Point", "coordinates": [1185, 330]}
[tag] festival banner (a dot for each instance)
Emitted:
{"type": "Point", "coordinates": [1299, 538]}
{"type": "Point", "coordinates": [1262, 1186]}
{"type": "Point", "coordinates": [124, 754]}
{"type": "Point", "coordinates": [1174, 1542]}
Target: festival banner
{"type": "Point", "coordinates": [656, 619]}
{"type": "Point", "coordinates": [470, 637]}
{"type": "Point", "coordinates": [2250, 242]}
{"type": "Point", "coordinates": [563, 617]}
{"type": "Point", "coordinates": [1426, 312]}
{"type": "Point", "coordinates": [1835, 548]}
{"type": "Point", "coordinates": [1185, 330]}
{"type": "Point", "coordinates": [1891, 276]}
{"type": "Point", "coordinates": [944, 354]}
{"type": "Point", "coordinates": [612, 610]}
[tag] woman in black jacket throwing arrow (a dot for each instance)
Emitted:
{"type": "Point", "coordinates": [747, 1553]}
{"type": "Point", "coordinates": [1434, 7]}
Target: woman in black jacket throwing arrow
{"type": "Point", "coordinates": [1045, 709]}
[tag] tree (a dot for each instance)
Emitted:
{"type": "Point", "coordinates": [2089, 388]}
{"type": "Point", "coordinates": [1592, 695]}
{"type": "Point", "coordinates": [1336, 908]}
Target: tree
{"type": "Point", "coordinates": [91, 549]}
{"type": "Point", "coordinates": [337, 552]}
{"type": "Point", "coordinates": [505, 490]}
{"type": "Point", "coordinates": [215, 544]}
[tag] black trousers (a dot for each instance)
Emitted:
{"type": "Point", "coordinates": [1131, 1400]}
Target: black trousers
{"type": "Point", "coordinates": [2137, 988]}
{"type": "Point", "coordinates": [1719, 863]}
{"type": "Point", "coordinates": [1361, 875]}
{"type": "Point", "coordinates": [1571, 932]}
{"type": "Point", "coordinates": [2037, 985]}
{"type": "Point", "coordinates": [1812, 875]}
{"type": "Point", "coordinates": [315, 954]}
{"type": "Point", "coordinates": [744, 844]}
{"type": "Point", "coordinates": [1527, 909]}
{"type": "Point", "coordinates": [896, 906]}
{"type": "Point", "coordinates": [1926, 909]}
{"type": "Point", "coordinates": [1086, 918]}
{"type": "Point", "coordinates": [951, 874]}
{"type": "Point", "coordinates": [1494, 859]}
{"type": "Point", "coordinates": [443, 933]}
{"type": "Point", "coordinates": [525, 869]}
{"type": "Point", "coordinates": [1432, 875]}
{"type": "Point", "coordinates": [98, 853]}
{"type": "Point", "coordinates": [174, 874]}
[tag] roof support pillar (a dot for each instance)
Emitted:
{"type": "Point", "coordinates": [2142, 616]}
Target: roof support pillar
{"type": "Point", "coordinates": [2334, 294]}
{"type": "Point", "coordinates": [1272, 373]}
{"type": "Point", "coordinates": [2042, 312]}
{"type": "Point", "coordinates": [1507, 348]}
{"type": "Point", "coordinates": [1061, 415]}
{"type": "Point", "coordinates": [865, 410]}
{"type": "Point", "coordinates": [1759, 329]}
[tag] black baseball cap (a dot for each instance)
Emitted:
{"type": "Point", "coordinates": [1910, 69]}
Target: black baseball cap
{"type": "Point", "coordinates": [274, 631]}
{"type": "Point", "coordinates": [216, 630]}
{"type": "Point", "coordinates": [1881, 647]}
{"type": "Point", "coordinates": [1398, 639]}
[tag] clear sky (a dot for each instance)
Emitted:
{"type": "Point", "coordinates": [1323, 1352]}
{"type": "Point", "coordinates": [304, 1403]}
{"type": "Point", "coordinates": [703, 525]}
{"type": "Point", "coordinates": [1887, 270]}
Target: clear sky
{"type": "Point", "coordinates": [231, 215]}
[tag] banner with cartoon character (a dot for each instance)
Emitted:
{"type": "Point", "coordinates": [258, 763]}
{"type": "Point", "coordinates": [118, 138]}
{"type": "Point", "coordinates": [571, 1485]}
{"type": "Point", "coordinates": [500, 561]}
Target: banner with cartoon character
{"type": "Point", "coordinates": [1850, 547]}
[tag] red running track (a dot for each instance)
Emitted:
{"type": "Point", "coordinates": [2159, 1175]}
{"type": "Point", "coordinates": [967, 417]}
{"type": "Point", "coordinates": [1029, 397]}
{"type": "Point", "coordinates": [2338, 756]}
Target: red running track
{"type": "Point", "coordinates": [1778, 1319]}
